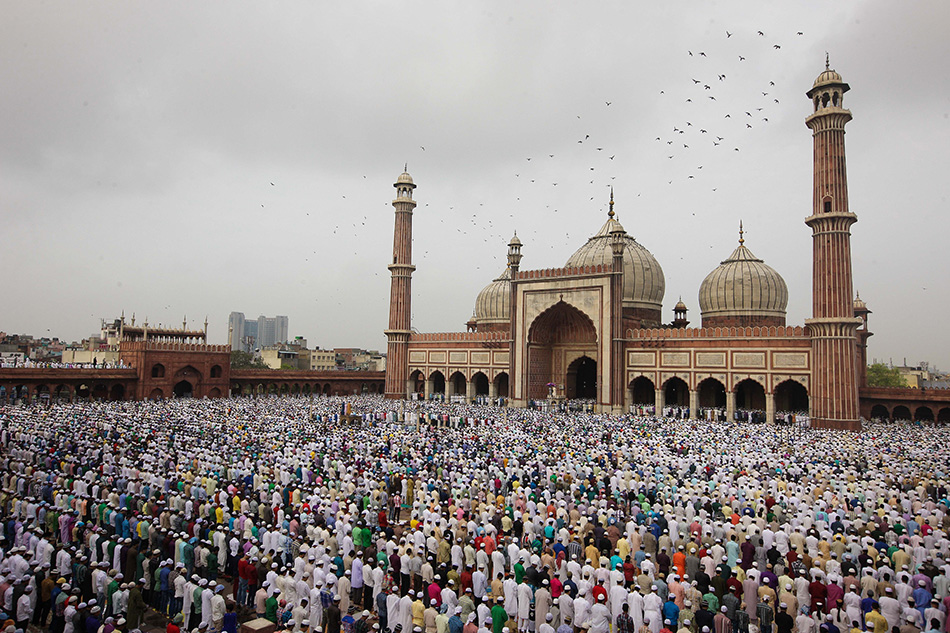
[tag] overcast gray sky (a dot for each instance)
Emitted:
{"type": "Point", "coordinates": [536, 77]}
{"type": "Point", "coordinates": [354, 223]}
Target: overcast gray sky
{"type": "Point", "coordinates": [193, 158]}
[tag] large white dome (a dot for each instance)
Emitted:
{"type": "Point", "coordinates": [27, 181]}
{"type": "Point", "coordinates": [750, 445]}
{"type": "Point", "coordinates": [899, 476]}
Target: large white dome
{"type": "Point", "coordinates": [643, 281]}
{"type": "Point", "coordinates": [743, 286]}
{"type": "Point", "coordinates": [493, 304]}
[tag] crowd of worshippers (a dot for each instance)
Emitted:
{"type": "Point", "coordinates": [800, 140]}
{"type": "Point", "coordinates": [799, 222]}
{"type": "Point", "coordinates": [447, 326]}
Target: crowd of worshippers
{"type": "Point", "coordinates": [198, 515]}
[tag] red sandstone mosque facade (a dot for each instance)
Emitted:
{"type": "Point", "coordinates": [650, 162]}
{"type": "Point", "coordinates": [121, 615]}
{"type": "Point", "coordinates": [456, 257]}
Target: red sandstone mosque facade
{"type": "Point", "coordinates": [593, 329]}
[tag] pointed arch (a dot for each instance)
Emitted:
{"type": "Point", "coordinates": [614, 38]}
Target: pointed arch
{"type": "Point", "coordinates": [642, 391]}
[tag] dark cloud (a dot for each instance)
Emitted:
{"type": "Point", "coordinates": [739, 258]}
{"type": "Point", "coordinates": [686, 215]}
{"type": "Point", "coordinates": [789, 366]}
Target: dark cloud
{"type": "Point", "coordinates": [139, 141]}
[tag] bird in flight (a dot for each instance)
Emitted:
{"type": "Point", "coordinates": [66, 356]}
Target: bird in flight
{"type": "Point", "coordinates": [423, 149]}
{"type": "Point", "coordinates": [721, 77]}
{"type": "Point", "coordinates": [728, 34]}
{"type": "Point", "coordinates": [761, 33]}
{"type": "Point", "coordinates": [776, 46]}
{"type": "Point", "coordinates": [702, 54]}
{"type": "Point", "coordinates": [608, 103]}
{"type": "Point", "coordinates": [741, 58]}
{"type": "Point", "coordinates": [695, 81]}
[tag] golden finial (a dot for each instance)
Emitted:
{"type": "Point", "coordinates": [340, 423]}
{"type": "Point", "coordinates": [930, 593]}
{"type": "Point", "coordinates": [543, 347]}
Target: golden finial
{"type": "Point", "coordinates": [610, 214]}
{"type": "Point", "coordinates": [741, 239]}
{"type": "Point", "coordinates": [827, 61]}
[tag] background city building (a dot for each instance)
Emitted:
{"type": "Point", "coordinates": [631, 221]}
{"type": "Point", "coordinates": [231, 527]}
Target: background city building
{"type": "Point", "coordinates": [247, 335]}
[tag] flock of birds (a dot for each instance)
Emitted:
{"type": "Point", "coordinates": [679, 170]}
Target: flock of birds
{"type": "Point", "coordinates": [699, 115]}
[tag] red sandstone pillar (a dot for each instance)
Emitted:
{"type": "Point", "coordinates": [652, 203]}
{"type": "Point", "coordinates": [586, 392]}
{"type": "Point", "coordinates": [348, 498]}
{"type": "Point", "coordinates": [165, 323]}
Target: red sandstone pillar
{"type": "Point", "coordinates": [399, 331]}
{"type": "Point", "coordinates": [617, 237]}
{"type": "Point", "coordinates": [834, 385]}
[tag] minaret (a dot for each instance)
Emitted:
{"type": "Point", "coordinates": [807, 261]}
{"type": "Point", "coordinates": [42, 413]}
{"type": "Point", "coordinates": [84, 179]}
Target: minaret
{"type": "Point", "coordinates": [618, 238]}
{"type": "Point", "coordinates": [514, 265]}
{"type": "Point", "coordinates": [400, 296]}
{"type": "Point", "coordinates": [833, 326]}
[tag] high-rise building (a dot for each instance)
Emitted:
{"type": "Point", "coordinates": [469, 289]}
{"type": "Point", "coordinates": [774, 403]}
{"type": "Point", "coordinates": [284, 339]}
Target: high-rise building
{"type": "Point", "coordinates": [248, 336]}
{"type": "Point", "coordinates": [249, 341]}
{"type": "Point", "coordinates": [236, 331]}
{"type": "Point", "coordinates": [272, 330]}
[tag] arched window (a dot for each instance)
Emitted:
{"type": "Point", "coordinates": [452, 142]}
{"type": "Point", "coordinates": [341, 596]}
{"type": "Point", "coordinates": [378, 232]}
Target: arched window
{"type": "Point", "coordinates": [158, 370]}
{"type": "Point", "coordinates": [216, 371]}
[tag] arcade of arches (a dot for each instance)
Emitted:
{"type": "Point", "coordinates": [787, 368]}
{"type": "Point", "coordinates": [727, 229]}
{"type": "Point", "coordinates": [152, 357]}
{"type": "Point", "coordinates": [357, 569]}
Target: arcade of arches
{"type": "Point", "coordinates": [458, 386]}
{"type": "Point", "coordinates": [710, 393]}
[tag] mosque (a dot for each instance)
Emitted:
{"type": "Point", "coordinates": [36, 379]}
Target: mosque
{"type": "Point", "coordinates": [593, 330]}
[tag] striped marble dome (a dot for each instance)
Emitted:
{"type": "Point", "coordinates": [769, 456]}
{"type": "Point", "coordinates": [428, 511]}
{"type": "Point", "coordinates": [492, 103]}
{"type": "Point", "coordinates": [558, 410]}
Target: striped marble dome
{"type": "Point", "coordinates": [493, 304]}
{"type": "Point", "coordinates": [743, 286]}
{"type": "Point", "coordinates": [643, 281]}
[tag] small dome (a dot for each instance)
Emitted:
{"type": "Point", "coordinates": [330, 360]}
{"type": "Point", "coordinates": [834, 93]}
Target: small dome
{"type": "Point", "coordinates": [515, 241]}
{"type": "Point", "coordinates": [859, 303]}
{"type": "Point", "coordinates": [827, 77]}
{"type": "Point", "coordinates": [680, 306]}
{"type": "Point", "coordinates": [643, 281]}
{"type": "Point", "coordinates": [743, 286]}
{"type": "Point", "coordinates": [404, 179]}
{"type": "Point", "coordinates": [493, 304]}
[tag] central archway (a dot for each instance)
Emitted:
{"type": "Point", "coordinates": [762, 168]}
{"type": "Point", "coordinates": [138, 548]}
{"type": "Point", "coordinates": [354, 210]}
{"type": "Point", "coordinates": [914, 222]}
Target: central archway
{"type": "Point", "coordinates": [558, 335]}
{"type": "Point", "coordinates": [183, 389]}
{"type": "Point", "coordinates": [582, 379]}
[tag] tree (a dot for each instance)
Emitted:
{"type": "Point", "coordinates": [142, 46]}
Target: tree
{"type": "Point", "coordinates": [880, 375]}
{"type": "Point", "coordinates": [246, 360]}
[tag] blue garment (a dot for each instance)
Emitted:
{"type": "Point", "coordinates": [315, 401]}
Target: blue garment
{"type": "Point", "coordinates": [671, 613]}
{"type": "Point", "coordinates": [922, 599]}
